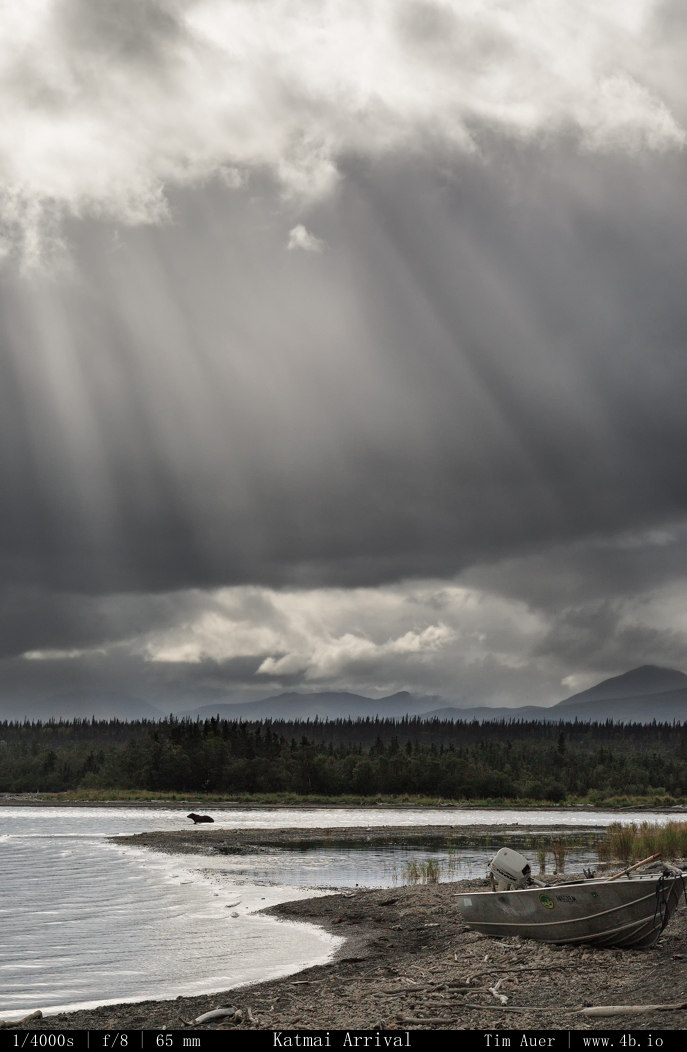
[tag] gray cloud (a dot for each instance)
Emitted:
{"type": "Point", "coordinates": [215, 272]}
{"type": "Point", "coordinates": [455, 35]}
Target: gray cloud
{"type": "Point", "coordinates": [481, 366]}
{"type": "Point", "coordinates": [246, 641]}
{"type": "Point", "coordinates": [601, 637]}
{"type": "Point", "coordinates": [478, 383]}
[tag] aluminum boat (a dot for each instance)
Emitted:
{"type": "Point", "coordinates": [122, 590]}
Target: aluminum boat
{"type": "Point", "coordinates": [628, 912]}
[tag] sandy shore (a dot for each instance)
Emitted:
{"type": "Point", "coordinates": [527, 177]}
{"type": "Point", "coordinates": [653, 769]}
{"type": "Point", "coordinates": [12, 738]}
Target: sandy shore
{"type": "Point", "coordinates": [409, 963]}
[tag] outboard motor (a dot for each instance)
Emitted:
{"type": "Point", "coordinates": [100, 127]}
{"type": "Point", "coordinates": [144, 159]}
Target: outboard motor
{"type": "Point", "coordinates": [509, 869]}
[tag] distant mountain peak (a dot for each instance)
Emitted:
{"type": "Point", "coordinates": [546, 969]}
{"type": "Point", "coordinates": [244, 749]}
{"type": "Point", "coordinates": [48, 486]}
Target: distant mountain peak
{"type": "Point", "coordinates": [644, 680]}
{"type": "Point", "coordinates": [656, 672]}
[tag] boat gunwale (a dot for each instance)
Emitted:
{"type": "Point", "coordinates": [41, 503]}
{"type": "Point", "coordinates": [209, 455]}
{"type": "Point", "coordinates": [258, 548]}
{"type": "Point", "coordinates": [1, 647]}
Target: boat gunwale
{"type": "Point", "coordinates": [638, 879]}
{"type": "Point", "coordinates": [545, 929]}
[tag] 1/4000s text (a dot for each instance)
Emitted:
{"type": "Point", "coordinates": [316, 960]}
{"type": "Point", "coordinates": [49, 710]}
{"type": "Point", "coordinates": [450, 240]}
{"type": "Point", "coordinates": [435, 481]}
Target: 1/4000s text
{"type": "Point", "coordinates": [43, 1041]}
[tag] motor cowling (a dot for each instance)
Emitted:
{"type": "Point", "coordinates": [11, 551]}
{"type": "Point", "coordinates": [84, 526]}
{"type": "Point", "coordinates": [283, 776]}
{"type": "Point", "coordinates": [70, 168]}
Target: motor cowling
{"type": "Point", "coordinates": [509, 869]}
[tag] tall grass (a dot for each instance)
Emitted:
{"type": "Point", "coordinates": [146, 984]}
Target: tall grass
{"type": "Point", "coordinates": [425, 872]}
{"type": "Point", "coordinates": [632, 842]}
{"type": "Point", "coordinates": [559, 849]}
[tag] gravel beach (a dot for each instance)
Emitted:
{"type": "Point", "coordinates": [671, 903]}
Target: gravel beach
{"type": "Point", "coordinates": [408, 962]}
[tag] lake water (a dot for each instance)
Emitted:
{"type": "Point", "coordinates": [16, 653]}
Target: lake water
{"type": "Point", "coordinates": [85, 921]}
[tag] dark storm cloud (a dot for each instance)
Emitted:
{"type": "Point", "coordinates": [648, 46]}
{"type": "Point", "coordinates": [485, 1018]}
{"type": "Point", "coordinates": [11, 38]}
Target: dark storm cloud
{"type": "Point", "coordinates": [40, 619]}
{"type": "Point", "coordinates": [307, 322]}
{"type": "Point", "coordinates": [480, 365]}
{"type": "Point", "coordinates": [172, 688]}
{"type": "Point", "coordinates": [604, 603]}
{"type": "Point", "coordinates": [598, 636]}
{"type": "Point", "coordinates": [614, 567]}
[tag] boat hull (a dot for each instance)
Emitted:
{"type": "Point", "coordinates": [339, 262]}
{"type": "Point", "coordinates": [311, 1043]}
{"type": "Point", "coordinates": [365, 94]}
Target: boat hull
{"type": "Point", "coordinates": [626, 912]}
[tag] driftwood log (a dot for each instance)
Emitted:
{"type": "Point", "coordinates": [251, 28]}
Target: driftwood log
{"type": "Point", "coordinates": [603, 1010]}
{"type": "Point", "coordinates": [217, 1013]}
{"type": "Point", "coordinates": [17, 1022]}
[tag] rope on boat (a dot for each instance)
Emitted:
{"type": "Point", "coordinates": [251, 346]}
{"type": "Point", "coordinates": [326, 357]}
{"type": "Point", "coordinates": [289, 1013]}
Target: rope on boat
{"type": "Point", "coordinates": [663, 889]}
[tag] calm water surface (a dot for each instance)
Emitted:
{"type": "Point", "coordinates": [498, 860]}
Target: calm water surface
{"type": "Point", "coordinates": [85, 921]}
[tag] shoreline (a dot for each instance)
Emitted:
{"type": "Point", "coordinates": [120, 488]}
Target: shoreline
{"type": "Point", "coordinates": [243, 841]}
{"type": "Point", "coordinates": [408, 962]}
{"type": "Point", "coordinates": [41, 800]}
{"type": "Point", "coordinates": [27, 800]}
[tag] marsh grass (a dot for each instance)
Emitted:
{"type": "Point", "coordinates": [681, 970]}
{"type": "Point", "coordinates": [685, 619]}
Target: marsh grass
{"type": "Point", "coordinates": [427, 871]}
{"type": "Point", "coordinates": [559, 850]}
{"type": "Point", "coordinates": [639, 840]}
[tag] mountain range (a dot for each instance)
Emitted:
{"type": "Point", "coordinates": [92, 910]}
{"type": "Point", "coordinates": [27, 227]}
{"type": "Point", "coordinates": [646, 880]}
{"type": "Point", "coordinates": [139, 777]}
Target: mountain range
{"type": "Point", "coordinates": [644, 694]}
{"type": "Point", "coordinates": [640, 695]}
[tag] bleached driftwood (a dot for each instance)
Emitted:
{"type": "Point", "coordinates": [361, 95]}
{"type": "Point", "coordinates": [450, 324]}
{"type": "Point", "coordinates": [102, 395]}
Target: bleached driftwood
{"type": "Point", "coordinates": [18, 1022]}
{"type": "Point", "coordinates": [520, 968]}
{"type": "Point", "coordinates": [489, 1008]}
{"type": "Point", "coordinates": [603, 1010]}
{"type": "Point", "coordinates": [494, 990]}
{"type": "Point", "coordinates": [217, 1013]}
{"type": "Point", "coordinates": [433, 1020]}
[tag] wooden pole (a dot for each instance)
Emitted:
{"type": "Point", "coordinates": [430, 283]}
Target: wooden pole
{"type": "Point", "coordinates": [651, 858]}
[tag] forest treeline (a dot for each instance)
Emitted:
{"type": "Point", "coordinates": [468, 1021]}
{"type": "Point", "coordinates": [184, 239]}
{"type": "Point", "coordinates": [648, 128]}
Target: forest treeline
{"type": "Point", "coordinates": [438, 758]}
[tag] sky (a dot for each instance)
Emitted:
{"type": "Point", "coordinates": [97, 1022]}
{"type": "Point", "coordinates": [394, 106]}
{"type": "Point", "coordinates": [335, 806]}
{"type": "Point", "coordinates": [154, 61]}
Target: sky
{"type": "Point", "coordinates": [341, 347]}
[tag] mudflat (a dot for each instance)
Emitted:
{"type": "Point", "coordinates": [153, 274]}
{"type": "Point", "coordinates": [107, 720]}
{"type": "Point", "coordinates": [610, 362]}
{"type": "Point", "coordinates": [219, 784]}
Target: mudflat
{"type": "Point", "coordinates": [408, 962]}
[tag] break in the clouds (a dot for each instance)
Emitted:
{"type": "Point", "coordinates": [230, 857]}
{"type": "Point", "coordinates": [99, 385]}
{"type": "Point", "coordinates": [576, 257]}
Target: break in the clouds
{"type": "Point", "coordinates": [342, 344]}
{"type": "Point", "coordinates": [469, 641]}
{"type": "Point", "coordinates": [108, 104]}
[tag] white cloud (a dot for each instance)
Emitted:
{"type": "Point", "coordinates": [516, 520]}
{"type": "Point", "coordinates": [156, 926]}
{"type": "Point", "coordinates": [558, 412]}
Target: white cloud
{"type": "Point", "coordinates": [301, 239]}
{"type": "Point", "coordinates": [108, 103]}
{"type": "Point", "coordinates": [469, 644]}
{"type": "Point", "coordinates": [627, 117]}
{"type": "Point", "coordinates": [425, 635]}
{"type": "Point", "coordinates": [211, 637]}
{"type": "Point", "coordinates": [61, 655]}
{"type": "Point", "coordinates": [333, 657]}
